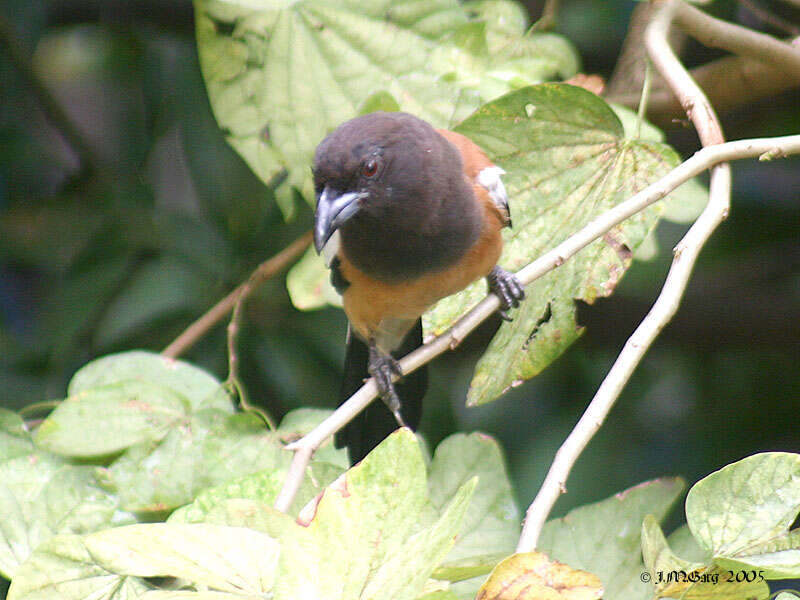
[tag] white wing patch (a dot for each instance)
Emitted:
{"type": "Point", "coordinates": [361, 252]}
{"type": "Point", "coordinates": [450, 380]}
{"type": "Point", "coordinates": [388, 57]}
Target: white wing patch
{"type": "Point", "coordinates": [489, 178]}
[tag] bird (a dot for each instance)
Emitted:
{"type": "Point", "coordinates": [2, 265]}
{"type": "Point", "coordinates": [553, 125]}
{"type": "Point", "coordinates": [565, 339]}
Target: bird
{"type": "Point", "coordinates": [406, 215]}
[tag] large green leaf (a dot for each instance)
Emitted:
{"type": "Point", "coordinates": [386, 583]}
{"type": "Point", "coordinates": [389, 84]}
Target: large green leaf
{"type": "Point", "coordinates": [127, 399]}
{"type": "Point", "coordinates": [281, 74]}
{"type": "Point", "coordinates": [373, 533]}
{"type": "Point", "coordinates": [228, 559]}
{"type": "Point", "coordinates": [568, 161]}
{"type": "Point", "coordinates": [63, 568]}
{"type": "Point", "coordinates": [262, 487]}
{"type": "Point", "coordinates": [212, 447]}
{"type": "Point", "coordinates": [674, 577]}
{"type": "Point", "coordinates": [741, 514]}
{"type": "Point", "coordinates": [192, 383]}
{"type": "Point", "coordinates": [604, 538]}
{"type": "Point", "coordinates": [110, 418]}
{"type": "Point", "coordinates": [41, 496]}
{"type": "Point", "coordinates": [492, 523]}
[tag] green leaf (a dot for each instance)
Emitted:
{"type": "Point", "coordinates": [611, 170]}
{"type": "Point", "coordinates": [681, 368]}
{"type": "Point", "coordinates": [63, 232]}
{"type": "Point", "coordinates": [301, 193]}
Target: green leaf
{"type": "Point", "coordinates": [262, 487]}
{"type": "Point", "coordinates": [604, 538]}
{"type": "Point", "coordinates": [674, 577]}
{"type": "Point", "coordinates": [372, 534]}
{"type": "Point", "coordinates": [568, 161]}
{"type": "Point", "coordinates": [282, 74]}
{"type": "Point", "coordinates": [106, 419]}
{"type": "Point", "coordinates": [212, 447]}
{"type": "Point", "coordinates": [193, 383]}
{"type": "Point", "coordinates": [686, 547]}
{"type": "Point", "coordinates": [379, 101]}
{"type": "Point", "coordinates": [15, 440]}
{"type": "Point", "coordinates": [40, 497]}
{"type": "Point", "coordinates": [491, 525]}
{"type": "Point", "coordinates": [228, 559]}
{"type": "Point", "coordinates": [741, 514]}
{"type": "Point", "coordinates": [62, 568]}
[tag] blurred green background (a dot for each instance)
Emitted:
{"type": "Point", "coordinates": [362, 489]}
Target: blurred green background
{"type": "Point", "coordinates": [170, 219]}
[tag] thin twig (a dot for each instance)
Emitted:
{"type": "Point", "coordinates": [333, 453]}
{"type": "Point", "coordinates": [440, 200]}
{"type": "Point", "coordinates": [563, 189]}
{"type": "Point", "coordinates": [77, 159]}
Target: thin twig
{"type": "Point", "coordinates": [58, 117]}
{"type": "Point", "coordinates": [701, 161]}
{"type": "Point", "coordinates": [233, 331]}
{"type": "Point", "coordinates": [233, 383]}
{"type": "Point", "coordinates": [263, 272]}
{"type": "Point", "coordinates": [737, 39]}
{"type": "Point", "coordinates": [686, 252]}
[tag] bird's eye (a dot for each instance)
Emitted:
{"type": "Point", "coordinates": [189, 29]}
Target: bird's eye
{"type": "Point", "coordinates": [370, 168]}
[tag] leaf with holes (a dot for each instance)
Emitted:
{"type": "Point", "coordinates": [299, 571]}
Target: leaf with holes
{"type": "Point", "coordinates": [568, 161]}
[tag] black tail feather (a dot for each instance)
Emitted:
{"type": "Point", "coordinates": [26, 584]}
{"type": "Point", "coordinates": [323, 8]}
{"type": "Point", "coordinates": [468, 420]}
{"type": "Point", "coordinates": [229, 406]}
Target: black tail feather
{"type": "Point", "coordinates": [375, 422]}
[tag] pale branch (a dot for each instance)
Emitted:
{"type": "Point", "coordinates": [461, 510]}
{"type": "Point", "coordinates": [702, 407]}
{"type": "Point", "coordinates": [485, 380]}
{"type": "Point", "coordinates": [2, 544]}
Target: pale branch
{"type": "Point", "coordinates": [701, 161]}
{"type": "Point", "coordinates": [686, 252]}
{"type": "Point", "coordinates": [737, 39]}
{"type": "Point", "coordinates": [769, 18]}
{"type": "Point", "coordinates": [215, 314]}
{"type": "Point", "coordinates": [730, 82]}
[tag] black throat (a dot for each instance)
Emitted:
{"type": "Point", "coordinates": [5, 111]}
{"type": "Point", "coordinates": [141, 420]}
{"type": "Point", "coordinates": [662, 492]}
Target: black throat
{"type": "Point", "coordinates": [415, 238]}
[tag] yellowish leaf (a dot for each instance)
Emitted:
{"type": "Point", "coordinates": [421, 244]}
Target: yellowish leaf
{"type": "Point", "coordinates": [533, 576]}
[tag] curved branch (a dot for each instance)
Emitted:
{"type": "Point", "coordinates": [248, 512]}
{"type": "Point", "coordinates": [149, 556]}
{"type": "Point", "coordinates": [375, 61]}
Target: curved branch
{"type": "Point", "coordinates": [737, 39]}
{"type": "Point", "coordinates": [707, 124]}
{"type": "Point", "coordinates": [215, 314]}
{"type": "Point", "coordinates": [702, 160]}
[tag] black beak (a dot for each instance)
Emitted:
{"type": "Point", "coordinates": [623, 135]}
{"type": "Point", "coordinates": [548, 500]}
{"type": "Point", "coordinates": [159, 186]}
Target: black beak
{"type": "Point", "coordinates": [332, 212]}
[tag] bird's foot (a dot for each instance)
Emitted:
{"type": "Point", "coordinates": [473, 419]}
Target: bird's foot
{"type": "Point", "coordinates": [508, 288]}
{"type": "Point", "coordinates": [382, 367]}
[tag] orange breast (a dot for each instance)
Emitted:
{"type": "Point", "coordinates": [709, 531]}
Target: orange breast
{"type": "Point", "coordinates": [386, 311]}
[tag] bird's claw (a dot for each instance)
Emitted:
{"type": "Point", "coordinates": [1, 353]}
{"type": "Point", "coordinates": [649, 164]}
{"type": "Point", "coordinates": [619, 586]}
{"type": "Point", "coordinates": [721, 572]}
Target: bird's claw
{"type": "Point", "coordinates": [507, 288]}
{"type": "Point", "coordinates": [382, 367]}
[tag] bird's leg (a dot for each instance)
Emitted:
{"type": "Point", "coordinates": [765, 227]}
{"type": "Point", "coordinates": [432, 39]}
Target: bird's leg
{"type": "Point", "coordinates": [507, 287]}
{"type": "Point", "coordinates": [382, 366]}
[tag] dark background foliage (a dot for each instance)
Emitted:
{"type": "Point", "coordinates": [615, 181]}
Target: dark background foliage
{"type": "Point", "coordinates": [123, 247]}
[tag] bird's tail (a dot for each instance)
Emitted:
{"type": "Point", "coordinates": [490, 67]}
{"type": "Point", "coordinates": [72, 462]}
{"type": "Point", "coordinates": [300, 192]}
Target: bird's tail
{"type": "Point", "coordinates": [375, 422]}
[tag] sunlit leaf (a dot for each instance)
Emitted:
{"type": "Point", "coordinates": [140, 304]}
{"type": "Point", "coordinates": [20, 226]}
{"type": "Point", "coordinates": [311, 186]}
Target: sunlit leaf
{"type": "Point", "coordinates": [492, 523]}
{"type": "Point", "coordinates": [568, 161]}
{"type": "Point", "coordinates": [741, 514]}
{"type": "Point", "coordinates": [674, 577]}
{"type": "Point", "coordinates": [40, 496]}
{"type": "Point", "coordinates": [228, 559]}
{"type": "Point", "coordinates": [63, 568]}
{"type": "Point", "coordinates": [604, 538]}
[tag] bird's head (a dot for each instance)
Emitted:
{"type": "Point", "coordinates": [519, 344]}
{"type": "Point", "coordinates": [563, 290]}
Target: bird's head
{"type": "Point", "coordinates": [376, 167]}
